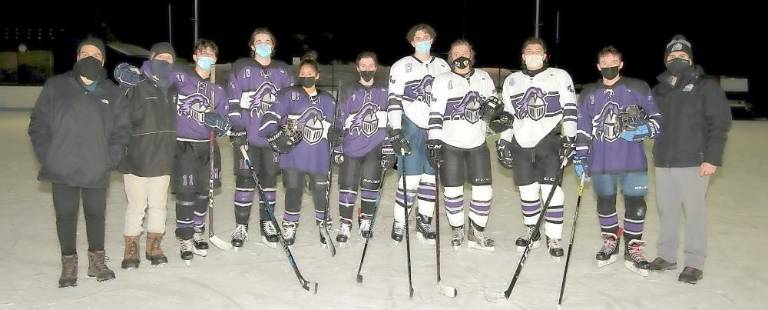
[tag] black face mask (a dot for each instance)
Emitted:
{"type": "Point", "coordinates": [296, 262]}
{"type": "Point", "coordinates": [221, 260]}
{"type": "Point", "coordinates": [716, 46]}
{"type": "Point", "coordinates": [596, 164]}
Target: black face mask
{"type": "Point", "coordinates": [610, 73]}
{"type": "Point", "coordinates": [90, 68]}
{"type": "Point", "coordinates": [461, 62]}
{"type": "Point", "coordinates": [367, 76]}
{"type": "Point", "coordinates": [678, 66]}
{"type": "Point", "coordinates": [307, 81]}
{"type": "Point", "coordinates": [160, 69]}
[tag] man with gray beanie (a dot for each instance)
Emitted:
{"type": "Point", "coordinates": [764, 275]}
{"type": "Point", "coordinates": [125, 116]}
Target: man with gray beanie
{"type": "Point", "coordinates": [79, 129]}
{"type": "Point", "coordinates": [148, 162]}
{"type": "Point", "coordinates": [689, 150]}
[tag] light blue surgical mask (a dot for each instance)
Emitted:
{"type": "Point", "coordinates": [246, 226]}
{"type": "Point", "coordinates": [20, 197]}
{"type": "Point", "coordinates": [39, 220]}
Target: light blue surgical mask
{"type": "Point", "coordinates": [205, 62]}
{"type": "Point", "coordinates": [264, 50]}
{"type": "Point", "coordinates": [424, 46]}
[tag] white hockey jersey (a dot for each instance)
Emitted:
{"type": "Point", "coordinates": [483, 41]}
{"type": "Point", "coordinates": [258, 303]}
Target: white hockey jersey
{"type": "Point", "coordinates": [539, 103]}
{"type": "Point", "coordinates": [455, 110]}
{"type": "Point", "coordinates": [410, 89]}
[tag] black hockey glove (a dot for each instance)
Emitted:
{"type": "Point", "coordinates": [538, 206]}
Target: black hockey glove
{"type": "Point", "coordinates": [398, 142]}
{"type": "Point", "coordinates": [217, 122]}
{"type": "Point", "coordinates": [504, 153]}
{"type": "Point", "coordinates": [434, 152]}
{"type": "Point", "coordinates": [503, 121]}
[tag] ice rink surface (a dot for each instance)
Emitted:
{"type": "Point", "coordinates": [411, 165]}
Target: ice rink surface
{"type": "Point", "coordinates": [258, 277]}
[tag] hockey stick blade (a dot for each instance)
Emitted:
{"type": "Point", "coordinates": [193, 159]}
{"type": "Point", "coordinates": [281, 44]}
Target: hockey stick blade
{"type": "Point", "coordinates": [494, 296]}
{"type": "Point", "coordinates": [221, 244]}
{"type": "Point", "coordinates": [448, 291]}
{"type": "Point", "coordinates": [328, 241]}
{"type": "Point", "coordinates": [359, 278]}
{"type": "Point", "coordinates": [312, 290]}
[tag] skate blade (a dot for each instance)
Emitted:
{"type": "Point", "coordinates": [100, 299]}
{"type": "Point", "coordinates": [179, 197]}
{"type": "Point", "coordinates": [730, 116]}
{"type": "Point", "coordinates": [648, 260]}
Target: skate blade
{"type": "Point", "coordinates": [557, 259]}
{"type": "Point", "coordinates": [475, 245]}
{"type": "Point", "coordinates": [425, 240]}
{"type": "Point", "coordinates": [395, 243]}
{"type": "Point", "coordinates": [236, 249]}
{"type": "Point", "coordinates": [341, 244]}
{"type": "Point", "coordinates": [631, 267]}
{"type": "Point", "coordinates": [536, 245]}
{"type": "Point", "coordinates": [603, 263]}
{"type": "Point", "coordinates": [188, 262]}
{"type": "Point", "coordinates": [202, 253]}
{"type": "Point", "coordinates": [269, 244]}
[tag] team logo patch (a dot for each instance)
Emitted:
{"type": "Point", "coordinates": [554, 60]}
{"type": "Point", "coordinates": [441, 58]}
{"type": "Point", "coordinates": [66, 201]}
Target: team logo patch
{"type": "Point", "coordinates": [607, 126]}
{"type": "Point", "coordinates": [365, 121]}
{"type": "Point", "coordinates": [466, 108]}
{"type": "Point", "coordinates": [195, 105]}
{"type": "Point", "coordinates": [259, 101]}
{"type": "Point", "coordinates": [532, 105]}
{"type": "Point", "coordinates": [311, 123]}
{"type": "Point", "coordinates": [420, 91]}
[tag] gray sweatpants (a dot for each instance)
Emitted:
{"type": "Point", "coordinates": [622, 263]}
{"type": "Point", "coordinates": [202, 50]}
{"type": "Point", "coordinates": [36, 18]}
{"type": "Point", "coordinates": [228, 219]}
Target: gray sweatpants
{"type": "Point", "coordinates": [676, 188]}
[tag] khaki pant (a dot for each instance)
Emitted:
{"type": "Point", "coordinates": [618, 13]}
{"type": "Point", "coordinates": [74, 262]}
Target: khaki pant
{"type": "Point", "coordinates": [146, 196]}
{"type": "Point", "coordinates": [682, 189]}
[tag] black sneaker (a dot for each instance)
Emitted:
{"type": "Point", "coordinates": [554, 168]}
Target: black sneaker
{"type": "Point", "coordinates": [690, 275]}
{"type": "Point", "coordinates": [661, 264]}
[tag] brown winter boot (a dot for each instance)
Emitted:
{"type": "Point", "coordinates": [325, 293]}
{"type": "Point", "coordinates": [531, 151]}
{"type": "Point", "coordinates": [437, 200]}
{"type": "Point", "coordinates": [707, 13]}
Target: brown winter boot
{"type": "Point", "coordinates": [68, 271]}
{"type": "Point", "coordinates": [97, 266]}
{"type": "Point", "coordinates": [131, 255]}
{"type": "Point", "coordinates": [153, 251]}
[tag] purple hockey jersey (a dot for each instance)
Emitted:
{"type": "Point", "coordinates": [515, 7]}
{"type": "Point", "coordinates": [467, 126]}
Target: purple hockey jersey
{"type": "Point", "coordinates": [601, 112]}
{"type": "Point", "coordinates": [363, 113]}
{"type": "Point", "coordinates": [314, 116]}
{"type": "Point", "coordinates": [193, 96]}
{"type": "Point", "coordinates": [252, 91]}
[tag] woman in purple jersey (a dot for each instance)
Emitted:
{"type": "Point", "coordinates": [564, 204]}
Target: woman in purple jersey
{"type": "Point", "coordinates": [297, 126]}
{"type": "Point", "coordinates": [364, 150]}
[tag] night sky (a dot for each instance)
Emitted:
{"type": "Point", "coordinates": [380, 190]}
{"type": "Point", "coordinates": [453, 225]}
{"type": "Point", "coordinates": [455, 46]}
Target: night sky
{"type": "Point", "coordinates": [723, 35]}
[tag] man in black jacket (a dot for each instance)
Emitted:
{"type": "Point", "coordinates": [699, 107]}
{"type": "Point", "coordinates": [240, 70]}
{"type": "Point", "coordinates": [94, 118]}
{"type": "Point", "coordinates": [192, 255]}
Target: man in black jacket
{"type": "Point", "coordinates": [149, 160]}
{"type": "Point", "coordinates": [79, 129]}
{"type": "Point", "coordinates": [688, 151]}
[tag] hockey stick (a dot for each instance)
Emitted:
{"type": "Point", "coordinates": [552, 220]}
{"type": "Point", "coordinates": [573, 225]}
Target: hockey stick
{"type": "Point", "coordinates": [326, 214]}
{"type": "Point", "coordinates": [212, 145]}
{"type": "Point", "coordinates": [445, 290]}
{"type": "Point", "coordinates": [570, 244]}
{"type": "Point", "coordinates": [492, 296]}
{"type": "Point", "coordinates": [407, 230]}
{"type": "Point", "coordinates": [271, 212]}
{"type": "Point", "coordinates": [373, 221]}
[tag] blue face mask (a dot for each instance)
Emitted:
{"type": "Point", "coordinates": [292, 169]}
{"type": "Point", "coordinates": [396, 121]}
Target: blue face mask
{"type": "Point", "coordinates": [264, 50]}
{"type": "Point", "coordinates": [424, 46]}
{"type": "Point", "coordinates": [205, 62]}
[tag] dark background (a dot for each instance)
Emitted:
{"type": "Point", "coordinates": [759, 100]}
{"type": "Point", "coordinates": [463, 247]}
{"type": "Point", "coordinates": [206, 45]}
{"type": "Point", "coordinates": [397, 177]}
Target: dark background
{"type": "Point", "coordinates": [725, 35]}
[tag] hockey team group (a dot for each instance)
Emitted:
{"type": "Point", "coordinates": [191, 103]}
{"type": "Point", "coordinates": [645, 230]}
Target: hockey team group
{"type": "Point", "coordinates": [158, 126]}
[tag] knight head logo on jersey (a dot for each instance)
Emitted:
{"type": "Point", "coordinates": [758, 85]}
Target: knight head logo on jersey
{"type": "Point", "coordinates": [311, 122]}
{"type": "Point", "coordinates": [195, 105]}
{"type": "Point", "coordinates": [607, 125]}
{"type": "Point", "coordinates": [532, 105]}
{"type": "Point", "coordinates": [419, 91]}
{"type": "Point", "coordinates": [466, 108]}
{"type": "Point", "coordinates": [259, 101]}
{"type": "Point", "coordinates": [365, 122]}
